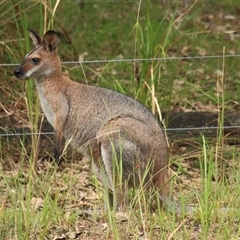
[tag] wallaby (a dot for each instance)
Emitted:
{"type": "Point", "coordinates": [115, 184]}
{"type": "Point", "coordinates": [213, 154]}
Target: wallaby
{"type": "Point", "coordinates": [121, 136]}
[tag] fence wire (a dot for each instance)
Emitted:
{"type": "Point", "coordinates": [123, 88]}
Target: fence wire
{"type": "Point", "coordinates": [137, 59]}
{"type": "Point", "coordinates": [165, 129]}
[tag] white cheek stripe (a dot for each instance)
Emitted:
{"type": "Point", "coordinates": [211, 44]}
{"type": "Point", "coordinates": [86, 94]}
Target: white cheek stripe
{"type": "Point", "coordinates": [35, 69]}
{"type": "Point", "coordinates": [31, 71]}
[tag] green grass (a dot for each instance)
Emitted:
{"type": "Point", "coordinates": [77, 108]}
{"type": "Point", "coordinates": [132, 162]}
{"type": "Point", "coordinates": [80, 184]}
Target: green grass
{"type": "Point", "coordinates": [49, 203]}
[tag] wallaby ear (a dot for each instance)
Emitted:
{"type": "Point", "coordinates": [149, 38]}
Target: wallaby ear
{"type": "Point", "coordinates": [35, 37]}
{"type": "Point", "coordinates": [50, 41]}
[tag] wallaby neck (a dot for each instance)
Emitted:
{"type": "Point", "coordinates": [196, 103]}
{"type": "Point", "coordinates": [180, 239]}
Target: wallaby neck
{"type": "Point", "coordinates": [50, 77]}
{"type": "Point", "coordinates": [51, 85]}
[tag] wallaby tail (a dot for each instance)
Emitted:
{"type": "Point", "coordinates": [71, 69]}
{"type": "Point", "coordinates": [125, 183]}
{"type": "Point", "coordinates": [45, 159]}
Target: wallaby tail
{"type": "Point", "coordinates": [172, 206]}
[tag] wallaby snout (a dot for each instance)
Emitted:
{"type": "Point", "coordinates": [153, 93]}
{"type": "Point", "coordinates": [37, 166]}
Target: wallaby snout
{"type": "Point", "coordinates": [18, 72]}
{"type": "Point", "coordinates": [121, 136]}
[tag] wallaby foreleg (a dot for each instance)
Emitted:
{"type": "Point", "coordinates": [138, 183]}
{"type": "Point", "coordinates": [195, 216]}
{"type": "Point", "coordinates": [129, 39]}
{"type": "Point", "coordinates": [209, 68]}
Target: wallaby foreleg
{"type": "Point", "coordinates": [57, 143]}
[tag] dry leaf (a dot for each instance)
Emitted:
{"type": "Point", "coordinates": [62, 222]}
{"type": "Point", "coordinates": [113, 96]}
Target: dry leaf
{"type": "Point", "coordinates": [82, 56]}
{"type": "Point", "coordinates": [37, 203]}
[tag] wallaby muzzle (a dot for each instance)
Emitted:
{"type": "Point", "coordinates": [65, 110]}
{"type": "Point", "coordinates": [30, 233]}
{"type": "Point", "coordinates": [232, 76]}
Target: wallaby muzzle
{"type": "Point", "coordinates": [18, 72]}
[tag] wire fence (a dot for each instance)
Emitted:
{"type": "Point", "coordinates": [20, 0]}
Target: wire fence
{"type": "Point", "coordinates": [11, 134]}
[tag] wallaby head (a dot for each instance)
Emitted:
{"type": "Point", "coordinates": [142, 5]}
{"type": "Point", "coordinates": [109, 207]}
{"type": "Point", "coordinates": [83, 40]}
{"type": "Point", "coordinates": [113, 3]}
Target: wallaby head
{"type": "Point", "coordinates": [43, 60]}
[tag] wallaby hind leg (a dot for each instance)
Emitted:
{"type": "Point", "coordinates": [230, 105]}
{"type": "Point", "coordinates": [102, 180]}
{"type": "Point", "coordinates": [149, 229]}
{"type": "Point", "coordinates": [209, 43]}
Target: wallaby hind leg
{"type": "Point", "coordinates": [120, 160]}
{"type": "Point", "coordinates": [133, 155]}
{"type": "Point", "coordinates": [115, 153]}
{"type": "Point", "coordinates": [124, 157]}
{"type": "Point", "coordinates": [97, 168]}
{"type": "Point", "coordinates": [161, 186]}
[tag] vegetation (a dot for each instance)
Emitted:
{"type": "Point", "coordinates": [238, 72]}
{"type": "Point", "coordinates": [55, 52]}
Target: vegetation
{"type": "Point", "coordinates": [49, 203]}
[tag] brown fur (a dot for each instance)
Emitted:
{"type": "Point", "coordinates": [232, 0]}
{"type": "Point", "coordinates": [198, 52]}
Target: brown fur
{"type": "Point", "coordinates": [116, 131]}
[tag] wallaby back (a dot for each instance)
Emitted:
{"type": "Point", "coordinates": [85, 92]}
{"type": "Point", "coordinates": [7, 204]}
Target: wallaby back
{"type": "Point", "coordinates": [123, 138]}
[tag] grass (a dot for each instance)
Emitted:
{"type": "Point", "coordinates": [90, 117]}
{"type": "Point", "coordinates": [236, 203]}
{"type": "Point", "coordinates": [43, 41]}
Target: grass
{"type": "Point", "coordinates": [49, 203]}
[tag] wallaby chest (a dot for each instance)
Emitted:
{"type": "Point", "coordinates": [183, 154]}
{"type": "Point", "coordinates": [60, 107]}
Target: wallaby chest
{"type": "Point", "coordinates": [46, 105]}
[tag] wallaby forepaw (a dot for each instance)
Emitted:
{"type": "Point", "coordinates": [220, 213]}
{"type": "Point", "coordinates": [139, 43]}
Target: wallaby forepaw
{"type": "Point", "coordinates": [58, 158]}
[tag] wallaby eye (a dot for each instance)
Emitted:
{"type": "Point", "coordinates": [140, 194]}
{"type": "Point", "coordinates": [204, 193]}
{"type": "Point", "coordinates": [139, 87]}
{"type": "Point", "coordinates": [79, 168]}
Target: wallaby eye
{"type": "Point", "coordinates": [35, 60]}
